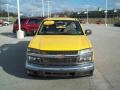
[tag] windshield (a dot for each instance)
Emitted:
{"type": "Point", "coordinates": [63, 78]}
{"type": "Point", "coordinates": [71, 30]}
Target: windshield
{"type": "Point", "coordinates": [61, 27]}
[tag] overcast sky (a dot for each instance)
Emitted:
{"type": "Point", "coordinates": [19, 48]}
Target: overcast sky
{"type": "Point", "coordinates": [29, 6]}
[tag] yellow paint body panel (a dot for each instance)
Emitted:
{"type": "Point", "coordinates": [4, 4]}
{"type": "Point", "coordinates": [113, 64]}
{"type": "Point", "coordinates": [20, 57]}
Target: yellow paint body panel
{"type": "Point", "coordinates": [60, 42]}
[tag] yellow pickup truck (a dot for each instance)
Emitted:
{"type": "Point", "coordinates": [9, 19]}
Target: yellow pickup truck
{"type": "Point", "coordinates": [60, 46]}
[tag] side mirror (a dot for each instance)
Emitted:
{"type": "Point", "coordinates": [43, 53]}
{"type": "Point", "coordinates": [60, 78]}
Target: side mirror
{"type": "Point", "coordinates": [88, 32]}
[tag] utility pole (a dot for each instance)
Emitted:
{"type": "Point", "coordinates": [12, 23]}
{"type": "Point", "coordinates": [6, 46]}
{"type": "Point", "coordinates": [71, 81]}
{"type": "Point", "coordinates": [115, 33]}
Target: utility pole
{"type": "Point", "coordinates": [43, 14]}
{"type": "Point", "coordinates": [87, 15]}
{"type": "Point", "coordinates": [48, 9]}
{"type": "Point", "coordinates": [106, 13]}
{"type": "Point", "coordinates": [8, 11]}
{"type": "Point", "coordinates": [20, 33]}
{"type": "Point", "coordinates": [32, 12]}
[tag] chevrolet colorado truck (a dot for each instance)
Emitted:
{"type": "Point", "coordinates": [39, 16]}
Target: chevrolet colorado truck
{"type": "Point", "coordinates": [60, 46]}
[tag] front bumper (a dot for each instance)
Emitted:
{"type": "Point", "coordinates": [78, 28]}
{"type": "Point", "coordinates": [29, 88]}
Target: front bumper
{"type": "Point", "coordinates": [83, 67]}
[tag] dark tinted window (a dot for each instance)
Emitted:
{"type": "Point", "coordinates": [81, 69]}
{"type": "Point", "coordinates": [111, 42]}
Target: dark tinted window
{"type": "Point", "coordinates": [34, 21]}
{"type": "Point", "coordinates": [62, 27]}
{"type": "Point", "coordinates": [22, 21]}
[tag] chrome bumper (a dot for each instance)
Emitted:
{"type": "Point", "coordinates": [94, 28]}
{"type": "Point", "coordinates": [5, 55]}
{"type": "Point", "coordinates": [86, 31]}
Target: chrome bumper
{"type": "Point", "coordinates": [83, 67]}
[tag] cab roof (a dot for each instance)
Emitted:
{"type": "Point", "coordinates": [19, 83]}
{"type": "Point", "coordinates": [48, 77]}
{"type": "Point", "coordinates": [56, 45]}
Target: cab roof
{"type": "Point", "coordinates": [71, 19]}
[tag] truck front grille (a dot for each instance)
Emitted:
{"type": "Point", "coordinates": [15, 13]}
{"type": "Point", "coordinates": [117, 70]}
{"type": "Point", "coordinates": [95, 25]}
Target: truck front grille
{"type": "Point", "coordinates": [59, 52]}
{"type": "Point", "coordinates": [54, 61]}
{"type": "Point", "coordinates": [57, 61]}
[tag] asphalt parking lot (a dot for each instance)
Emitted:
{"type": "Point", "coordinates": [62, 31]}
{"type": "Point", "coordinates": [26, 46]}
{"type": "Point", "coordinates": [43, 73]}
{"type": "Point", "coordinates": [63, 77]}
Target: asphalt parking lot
{"type": "Point", "coordinates": [106, 44]}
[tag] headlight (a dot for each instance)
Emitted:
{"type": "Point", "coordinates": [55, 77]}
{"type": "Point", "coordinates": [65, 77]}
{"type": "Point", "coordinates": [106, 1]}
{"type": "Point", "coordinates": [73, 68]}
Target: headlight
{"type": "Point", "coordinates": [33, 60]}
{"type": "Point", "coordinates": [85, 55]}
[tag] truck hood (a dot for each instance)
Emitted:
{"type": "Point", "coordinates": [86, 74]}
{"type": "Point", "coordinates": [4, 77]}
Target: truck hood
{"type": "Point", "coordinates": [60, 42]}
